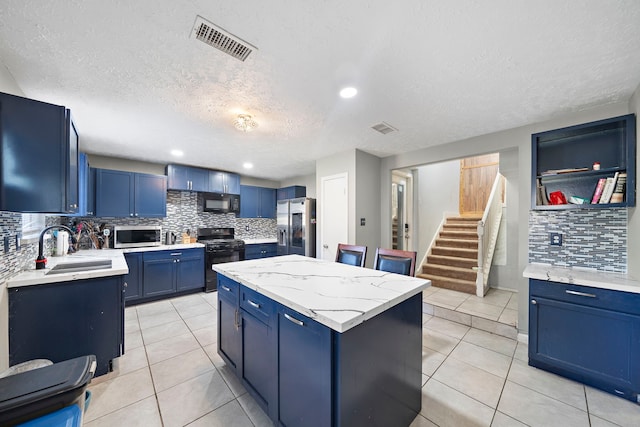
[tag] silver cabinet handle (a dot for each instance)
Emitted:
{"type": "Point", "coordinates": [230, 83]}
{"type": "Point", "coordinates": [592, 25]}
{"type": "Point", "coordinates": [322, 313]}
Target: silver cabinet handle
{"type": "Point", "coordinates": [534, 302]}
{"type": "Point", "coordinates": [294, 320]}
{"type": "Point", "coordinates": [253, 304]}
{"type": "Point", "coordinates": [226, 288]}
{"type": "Point", "coordinates": [176, 254]}
{"type": "Point", "coordinates": [580, 294]}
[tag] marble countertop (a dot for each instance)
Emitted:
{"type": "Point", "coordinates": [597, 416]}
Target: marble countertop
{"type": "Point", "coordinates": [584, 277]}
{"type": "Point", "coordinates": [163, 247]}
{"type": "Point", "coordinates": [38, 277]}
{"type": "Point", "coordinates": [259, 241]}
{"type": "Point", "coordinates": [336, 295]}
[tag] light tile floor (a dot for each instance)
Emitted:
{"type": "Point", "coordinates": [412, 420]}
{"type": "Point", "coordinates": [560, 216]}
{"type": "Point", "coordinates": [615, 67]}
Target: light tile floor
{"type": "Point", "coordinates": [172, 376]}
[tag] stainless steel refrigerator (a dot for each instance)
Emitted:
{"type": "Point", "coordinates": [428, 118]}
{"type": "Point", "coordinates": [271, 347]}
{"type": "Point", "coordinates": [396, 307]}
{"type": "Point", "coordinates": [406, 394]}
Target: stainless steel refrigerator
{"type": "Point", "coordinates": [296, 220]}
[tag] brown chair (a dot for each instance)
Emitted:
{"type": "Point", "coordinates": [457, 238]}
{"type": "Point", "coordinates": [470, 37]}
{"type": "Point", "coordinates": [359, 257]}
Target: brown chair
{"type": "Point", "coordinates": [395, 261]}
{"type": "Point", "coordinates": [351, 254]}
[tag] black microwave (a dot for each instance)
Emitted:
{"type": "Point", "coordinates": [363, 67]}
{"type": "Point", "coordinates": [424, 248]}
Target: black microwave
{"type": "Point", "coordinates": [221, 203]}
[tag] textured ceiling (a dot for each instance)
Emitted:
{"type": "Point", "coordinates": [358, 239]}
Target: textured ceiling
{"type": "Point", "coordinates": [139, 85]}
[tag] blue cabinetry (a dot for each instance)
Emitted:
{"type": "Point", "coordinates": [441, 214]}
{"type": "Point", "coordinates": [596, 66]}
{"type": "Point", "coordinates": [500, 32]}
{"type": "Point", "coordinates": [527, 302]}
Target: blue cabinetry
{"type": "Point", "coordinates": [133, 280]}
{"type": "Point", "coordinates": [588, 334]}
{"type": "Point", "coordinates": [263, 250]}
{"type": "Point", "coordinates": [229, 333]}
{"type": "Point", "coordinates": [224, 182]}
{"type": "Point", "coordinates": [129, 194]}
{"type": "Point", "coordinates": [292, 192]}
{"type": "Point", "coordinates": [39, 157]}
{"type": "Point", "coordinates": [257, 202]}
{"type": "Point", "coordinates": [610, 142]}
{"type": "Point", "coordinates": [187, 178]}
{"type": "Point", "coordinates": [168, 272]}
{"type": "Point", "coordinates": [60, 321]}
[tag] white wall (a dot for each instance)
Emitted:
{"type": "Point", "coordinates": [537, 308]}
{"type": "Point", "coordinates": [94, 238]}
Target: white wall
{"type": "Point", "coordinates": [7, 85]}
{"type": "Point", "coordinates": [367, 197]}
{"type": "Point", "coordinates": [633, 238]}
{"type": "Point", "coordinates": [438, 191]}
{"type": "Point", "coordinates": [517, 138]}
{"type": "Point", "coordinates": [308, 181]}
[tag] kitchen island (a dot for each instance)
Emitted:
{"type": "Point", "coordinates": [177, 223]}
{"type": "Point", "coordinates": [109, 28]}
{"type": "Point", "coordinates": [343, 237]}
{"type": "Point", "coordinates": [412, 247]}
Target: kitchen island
{"type": "Point", "coordinates": [319, 343]}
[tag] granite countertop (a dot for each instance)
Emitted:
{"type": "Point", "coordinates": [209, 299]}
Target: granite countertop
{"type": "Point", "coordinates": [336, 295]}
{"type": "Point", "coordinates": [584, 277]}
{"type": "Point", "coordinates": [259, 241]}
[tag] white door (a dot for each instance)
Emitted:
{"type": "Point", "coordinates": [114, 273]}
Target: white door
{"type": "Point", "coordinates": [334, 215]}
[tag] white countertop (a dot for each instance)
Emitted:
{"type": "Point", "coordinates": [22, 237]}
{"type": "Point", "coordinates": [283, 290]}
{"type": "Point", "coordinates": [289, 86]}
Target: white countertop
{"type": "Point", "coordinates": [38, 277]}
{"type": "Point", "coordinates": [336, 295]}
{"type": "Point", "coordinates": [259, 241]}
{"type": "Point", "coordinates": [584, 277]}
{"type": "Point", "coordinates": [177, 246]}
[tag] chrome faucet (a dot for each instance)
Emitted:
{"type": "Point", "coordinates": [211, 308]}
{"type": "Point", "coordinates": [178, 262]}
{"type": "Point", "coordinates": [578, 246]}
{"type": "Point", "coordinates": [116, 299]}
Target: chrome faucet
{"type": "Point", "coordinates": [41, 261]}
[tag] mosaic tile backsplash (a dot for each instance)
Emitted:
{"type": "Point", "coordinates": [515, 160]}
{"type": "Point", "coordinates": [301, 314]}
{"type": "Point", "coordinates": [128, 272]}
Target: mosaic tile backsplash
{"type": "Point", "coordinates": [591, 238]}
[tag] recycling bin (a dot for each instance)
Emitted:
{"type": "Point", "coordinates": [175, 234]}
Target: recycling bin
{"type": "Point", "coordinates": [52, 396]}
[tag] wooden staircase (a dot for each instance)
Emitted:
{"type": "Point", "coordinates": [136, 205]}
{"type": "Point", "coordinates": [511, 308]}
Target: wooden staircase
{"type": "Point", "coordinates": [454, 256]}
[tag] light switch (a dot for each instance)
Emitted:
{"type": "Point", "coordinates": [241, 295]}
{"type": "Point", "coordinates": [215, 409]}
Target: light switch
{"type": "Point", "coordinates": [362, 222]}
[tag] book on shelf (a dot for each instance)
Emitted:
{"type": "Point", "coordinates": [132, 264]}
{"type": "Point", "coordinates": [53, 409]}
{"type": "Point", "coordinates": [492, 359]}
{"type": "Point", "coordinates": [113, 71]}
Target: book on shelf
{"type": "Point", "coordinates": [608, 189]}
{"type": "Point", "coordinates": [620, 189]}
{"type": "Point", "coordinates": [598, 191]}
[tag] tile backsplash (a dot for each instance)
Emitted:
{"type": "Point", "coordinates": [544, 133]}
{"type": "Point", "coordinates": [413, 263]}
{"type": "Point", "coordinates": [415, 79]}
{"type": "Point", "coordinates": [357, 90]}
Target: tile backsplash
{"type": "Point", "coordinates": [592, 238]}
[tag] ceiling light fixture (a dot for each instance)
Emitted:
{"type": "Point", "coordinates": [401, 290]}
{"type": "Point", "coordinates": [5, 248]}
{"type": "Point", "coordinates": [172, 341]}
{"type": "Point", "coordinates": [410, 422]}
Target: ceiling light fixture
{"type": "Point", "coordinates": [245, 123]}
{"type": "Point", "coordinates": [247, 165]}
{"type": "Point", "coordinates": [177, 153]}
{"type": "Point", "coordinates": [348, 92]}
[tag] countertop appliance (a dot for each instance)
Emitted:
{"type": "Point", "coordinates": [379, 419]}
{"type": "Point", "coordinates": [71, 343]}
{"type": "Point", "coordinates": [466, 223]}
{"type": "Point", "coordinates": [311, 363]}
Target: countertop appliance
{"type": "Point", "coordinates": [220, 203]}
{"type": "Point", "coordinates": [136, 236]}
{"type": "Point", "coordinates": [220, 246]}
{"type": "Point", "coordinates": [296, 225]}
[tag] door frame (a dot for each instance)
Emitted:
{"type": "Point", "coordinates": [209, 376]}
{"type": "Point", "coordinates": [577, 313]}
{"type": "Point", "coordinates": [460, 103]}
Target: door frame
{"type": "Point", "coordinates": [323, 204]}
{"type": "Point", "coordinates": [405, 178]}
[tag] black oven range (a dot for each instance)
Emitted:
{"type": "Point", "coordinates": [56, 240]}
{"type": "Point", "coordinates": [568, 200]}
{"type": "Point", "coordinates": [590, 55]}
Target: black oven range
{"type": "Point", "coordinates": [220, 246]}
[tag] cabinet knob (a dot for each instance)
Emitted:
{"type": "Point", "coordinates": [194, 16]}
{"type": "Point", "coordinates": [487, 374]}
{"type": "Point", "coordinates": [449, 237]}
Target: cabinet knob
{"type": "Point", "coordinates": [131, 214]}
{"type": "Point", "coordinates": [534, 302]}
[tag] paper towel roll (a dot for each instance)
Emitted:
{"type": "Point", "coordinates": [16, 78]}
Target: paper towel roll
{"type": "Point", "coordinates": [62, 243]}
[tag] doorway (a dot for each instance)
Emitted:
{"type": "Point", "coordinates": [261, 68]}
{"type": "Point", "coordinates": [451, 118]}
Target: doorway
{"type": "Point", "coordinates": [401, 210]}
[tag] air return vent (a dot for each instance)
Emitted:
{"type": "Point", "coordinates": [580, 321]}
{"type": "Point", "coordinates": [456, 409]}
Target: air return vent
{"type": "Point", "coordinates": [384, 128]}
{"type": "Point", "coordinates": [215, 36]}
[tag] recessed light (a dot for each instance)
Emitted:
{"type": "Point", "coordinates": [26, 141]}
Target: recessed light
{"type": "Point", "coordinates": [177, 153]}
{"type": "Point", "coordinates": [247, 165]}
{"type": "Point", "coordinates": [348, 92]}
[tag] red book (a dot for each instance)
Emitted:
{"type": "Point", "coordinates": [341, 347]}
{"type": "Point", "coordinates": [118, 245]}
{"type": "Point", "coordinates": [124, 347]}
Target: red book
{"type": "Point", "coordinates": [599, 187]}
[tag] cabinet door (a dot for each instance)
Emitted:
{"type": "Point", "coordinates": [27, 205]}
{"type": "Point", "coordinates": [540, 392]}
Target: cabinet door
{"type": "Point", "coordinates": [150, 195]}
{"type": "Point", "coordinates": [304, 360]}
{"type": "Point", "coordinates": [71, 161]}
{"type": "Point", "coordinates": [232, 182]}
{"type": "Point", "coordinates": [258, 361]}
{"type": "Point", "coordinates": [252, 252]}
{"type": "Point", "coordinates": [248, 201]}
{"type": "Point", "coordinates": [190, 269]}
{"type": "Point", "coordinates": [588, 344]}
{"type": "Point", "coordinates": [177, 177]}
{"type": "Point", "coordinates": [270, 249]}
{"type": "Point", "coordinates": [267, 203]}
{"type": "Point", "coordinates": [133, 280]}
{"type": "Point", "coordinates": [229, 333]}
{"type": "Point", "coordinates": [114, 193]}
{"type": "Point", "coordinates": [159, 274]}
{"type": "Point", "coordinates": [34, 156]}
{"type": "Point", "coordinates": [216, 181]}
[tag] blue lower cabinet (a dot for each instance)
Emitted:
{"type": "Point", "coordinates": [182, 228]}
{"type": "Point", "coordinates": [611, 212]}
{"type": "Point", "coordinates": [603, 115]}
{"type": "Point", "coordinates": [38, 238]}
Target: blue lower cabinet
{"type": "Point", "coordinates": [133, 280]}
{"type": "Point", "coordinates": [263, 250]}
{"type": "Point", "coordinates": [159, 274]}
{"type": "Point", "coordinates": [64, 320]}
{"type": "Point", "coordinates": [229, 333]}
{"type": "Point", "coordinates": [587, 334]}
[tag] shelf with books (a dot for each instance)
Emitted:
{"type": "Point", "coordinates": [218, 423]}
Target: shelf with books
{"type": "Point", "coordinates": [561, 159]}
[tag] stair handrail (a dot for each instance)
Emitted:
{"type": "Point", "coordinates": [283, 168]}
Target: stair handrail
{"type": "Point", "coordinates": [488, 228]}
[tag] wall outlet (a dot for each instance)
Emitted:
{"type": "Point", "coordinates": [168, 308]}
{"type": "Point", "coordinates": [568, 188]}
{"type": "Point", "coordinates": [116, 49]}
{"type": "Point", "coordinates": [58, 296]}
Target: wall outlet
{"type": "Point", "coordinates": [363, 222]}
{"type": "Point", "coordinates": [18, 241]}
{"type": "Point", "coordinates": [246, 228]}
{"type": "Point", "coordinates": [6, 244]}
{"type": "Point", "coordinates": [555, 239]}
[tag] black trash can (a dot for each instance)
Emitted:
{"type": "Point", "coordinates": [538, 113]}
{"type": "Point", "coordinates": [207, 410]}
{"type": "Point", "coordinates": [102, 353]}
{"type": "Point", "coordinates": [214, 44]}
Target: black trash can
{"type": "Point", "coordinates": [53, 395]}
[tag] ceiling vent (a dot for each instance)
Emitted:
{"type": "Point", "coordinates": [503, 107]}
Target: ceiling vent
{"type": "Point", "coordinates": [384, 128]}
{"type": "Point", "coordinates": [215, 36]}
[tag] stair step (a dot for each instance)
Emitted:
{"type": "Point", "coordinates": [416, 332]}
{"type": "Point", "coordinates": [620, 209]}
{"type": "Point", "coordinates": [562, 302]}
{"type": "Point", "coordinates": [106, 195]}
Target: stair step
{"type": "Point", "coordinates": [450, 272]}
{"type": "Point", "coordinates": [464, 219]}
{"type": "Point", "coordinates": [452, 261]}
{"type": "Point", "coordinates": [447, 283]}
{"type": "Point", "coordinates": [459, 234]}
{"type": "Point", "coordinates": [455, 252]}
{"type": "Point", "coordinates": [460, 226]}
{"type": "Point", "coordinates": [458, 243]}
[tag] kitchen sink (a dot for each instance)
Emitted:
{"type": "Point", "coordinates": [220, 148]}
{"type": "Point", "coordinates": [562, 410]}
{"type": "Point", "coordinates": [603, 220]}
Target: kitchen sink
{"type": "Point", "coordinates": [80, 265]}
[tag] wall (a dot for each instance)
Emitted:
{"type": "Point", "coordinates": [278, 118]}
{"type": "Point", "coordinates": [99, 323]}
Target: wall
{"type": "Point", "coordinates": [367, 202]}
{"type": "Point", "coordinates": [438, 191]}
{"type": "Point", "coordinates": [633, 248]}
{"type": "Point", "coordinates": [517, 138]}
{"type": "Point", "coordinates": [308, 181]}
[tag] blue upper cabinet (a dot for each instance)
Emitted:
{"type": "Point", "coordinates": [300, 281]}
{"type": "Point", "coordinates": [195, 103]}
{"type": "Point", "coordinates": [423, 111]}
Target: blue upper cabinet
{"type": "Point", "coordinates": [39, 157]}
{"type": "Point", "coordinates": [292, 192]}
{"type": "Point", "coordinates": [187, 178]}
{"type": "Point", "coordinates": [257, 202]}
{"type": "Point", "coordinates": [86, 187]}
{"type": "Point", "coordinates": [572, 162]}
{"type": "Point", "coordinates": [128, 194]}
{"type": "Point", "coordinates": [224, 182]}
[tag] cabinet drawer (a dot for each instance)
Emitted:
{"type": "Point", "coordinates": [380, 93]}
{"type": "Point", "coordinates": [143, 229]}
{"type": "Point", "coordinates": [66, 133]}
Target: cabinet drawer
{"type": "Point", "coordinates": [227, 288]}
{"type": "Point", "coordinates": [161, 255]}
{"type": "Point", "coordinates": [260, 306]}
{"type": "Point", "coordinates": [623, 302]}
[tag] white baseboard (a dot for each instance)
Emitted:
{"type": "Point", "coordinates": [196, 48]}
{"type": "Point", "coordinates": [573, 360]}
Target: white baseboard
{"type": "Point", "coordinates": [523, 338]}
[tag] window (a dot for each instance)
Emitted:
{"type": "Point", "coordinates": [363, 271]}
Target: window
{"type": "Point", "coordinates": [32, 225]}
